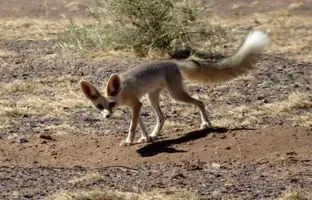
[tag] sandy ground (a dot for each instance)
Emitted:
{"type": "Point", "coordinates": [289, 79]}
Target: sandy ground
{"type": "Point", "coordinates": [259, 160]}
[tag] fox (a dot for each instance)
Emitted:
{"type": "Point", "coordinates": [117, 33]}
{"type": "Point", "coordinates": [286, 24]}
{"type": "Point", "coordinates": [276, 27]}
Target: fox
{"type": "Point", "coordinates": [127, 88]}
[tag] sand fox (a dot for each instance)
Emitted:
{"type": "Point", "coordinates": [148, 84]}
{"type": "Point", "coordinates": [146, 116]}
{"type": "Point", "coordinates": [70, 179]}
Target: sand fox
{"type": "Point", "coordinates": [127, 88]}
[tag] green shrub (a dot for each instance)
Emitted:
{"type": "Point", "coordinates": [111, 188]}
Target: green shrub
{"type": "Point", "coordinates": [138, 25]}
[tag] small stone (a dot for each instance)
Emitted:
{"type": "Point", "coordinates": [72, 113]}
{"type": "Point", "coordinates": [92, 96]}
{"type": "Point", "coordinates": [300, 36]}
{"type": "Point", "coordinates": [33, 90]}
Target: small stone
{"type": "Point", "coordinates": [22, 140]}
{"type": "Point", "coordinates": [291, 153]}
{"type": "Point", "coordinates": [43, 142]}
{"type": "Point", "coordinates": [223, 137]}
{"type": "Point", "coordinates": [215, 165]}
{"type": "Point", "coordinates": [46, 137]}
{"type": "Point", "coordinates": [28, 196]}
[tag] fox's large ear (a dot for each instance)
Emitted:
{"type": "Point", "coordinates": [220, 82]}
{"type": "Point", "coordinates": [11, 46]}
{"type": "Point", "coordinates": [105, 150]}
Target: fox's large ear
{"type": "Point", "coordinates": [113, 85]}
{"type": "Point", "coordinates": [89, 90]}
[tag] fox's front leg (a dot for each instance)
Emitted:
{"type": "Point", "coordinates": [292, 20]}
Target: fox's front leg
{"type": "Point", "coordinates": [136, 109]}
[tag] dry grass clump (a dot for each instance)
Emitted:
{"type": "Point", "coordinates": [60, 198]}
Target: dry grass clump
{"type": "Point", "coordinates": [19, 87]}
{"type": "Point", "coordinates": [115, 195]}
{"type": "Point", "coordinates": [5, 53]}
{"type": "Point", "coordinates": [92, 195]}
{"type": "Point", "coordinates": [291, 194]}
{"type": "Point", "coordinates": [289, 34]}
{"type": "Point", "coordinates": [35, 29]}
{"type": "Point", "coordinates": [39, 98]}
{"type": "Point", "coordinates": [296, 194]}
{"type": "Point", "coordinates": [294, 109]}
{"type": "Point", "coordinates": [88, 178]}
{"type": "Point", "coordinates": [296, 100]}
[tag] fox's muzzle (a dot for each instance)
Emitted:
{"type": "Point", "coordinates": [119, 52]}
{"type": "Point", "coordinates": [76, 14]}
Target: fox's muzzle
{"type": "Point", "coordinates": [106, 113]}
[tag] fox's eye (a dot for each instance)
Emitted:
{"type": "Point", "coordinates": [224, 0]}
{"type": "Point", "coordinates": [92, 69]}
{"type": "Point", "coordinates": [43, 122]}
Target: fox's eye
{"type": "Point", "coordinates": [111, 105]}
{"type": "Point", "coordinates": [100, 107]}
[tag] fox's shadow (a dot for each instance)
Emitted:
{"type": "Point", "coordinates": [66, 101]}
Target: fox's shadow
{"type": "Point", "coordinates": [164, 146]}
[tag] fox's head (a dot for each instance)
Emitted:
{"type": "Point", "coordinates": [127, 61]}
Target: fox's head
{"type": "Point", "coordinates": [108, 102]}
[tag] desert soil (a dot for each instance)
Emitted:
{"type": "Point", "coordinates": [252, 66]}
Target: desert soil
{"type": "Point", "coordinates": [249, 162]}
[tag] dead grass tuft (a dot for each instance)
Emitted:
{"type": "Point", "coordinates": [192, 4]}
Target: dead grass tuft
{"type": "Point", "coordinates": [18, 87]}
{"type": "Point", "coordinates": [93, 195]}
{"type": "Point", "coordinates": [254, 4]}
{"type": "Point", "coordinates": [296, 194]}
{"type": "Point", "coordinates": [35, 29]}
{"type": "Point", "coordinates": [294, 101]}
{"type": "Point", "coordinates": [46, 97]}
{"type": "Point", "coordinates": [88, 178]}
{"type": "Point", "coordinates": [170, 194]}
{"type": "Point", "coordinates": [5, 53]}
{"type": "Point", "coordinates": [289, 34]}
{"type": "Point", "coordinates": [114, 195]}
{"type": "Point", "coordinates": [293, 109]}
{"type": "Point", "coordinates": [296, 5]}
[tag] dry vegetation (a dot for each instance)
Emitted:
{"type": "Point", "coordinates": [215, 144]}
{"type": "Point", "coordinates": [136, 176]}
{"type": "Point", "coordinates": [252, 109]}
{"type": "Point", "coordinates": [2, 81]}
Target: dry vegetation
{"type": "Point", "coordinates": [288, 35]}
{"type": "Point", "coordinates": [29, 28]}
{"type": "Point", "coordinates": [250, 115]}
{"type": "Point", "coordinates": [40, 98]}
{"type": "Point", "coordinates": [162, 195]}
{"type": "Point", "coordinates": [168, 194]}
{"type": "Point", "coordinates": [113, 195]}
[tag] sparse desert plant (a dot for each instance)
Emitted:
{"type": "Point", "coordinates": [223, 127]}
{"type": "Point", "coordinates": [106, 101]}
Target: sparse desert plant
{"type": "Point", "coordinates": [141, 26]}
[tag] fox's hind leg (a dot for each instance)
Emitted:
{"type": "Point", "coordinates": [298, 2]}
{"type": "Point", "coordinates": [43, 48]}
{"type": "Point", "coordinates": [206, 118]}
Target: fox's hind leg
{"type": "Point", "coordinates": [154, 100]}
{"type": "Point", "coordinates": [177, 91]}
{"type": "Point", "coordinates": [144, 136]}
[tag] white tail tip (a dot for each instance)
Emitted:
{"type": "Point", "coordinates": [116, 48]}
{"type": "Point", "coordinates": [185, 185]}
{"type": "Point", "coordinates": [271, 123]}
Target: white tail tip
{"type": "Point", "coordinates": [256, 40]}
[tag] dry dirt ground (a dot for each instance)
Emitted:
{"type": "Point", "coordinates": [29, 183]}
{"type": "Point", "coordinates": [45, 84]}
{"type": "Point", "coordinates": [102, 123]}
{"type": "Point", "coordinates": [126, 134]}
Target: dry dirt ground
{"type": "Point", "coordinates": [52, 140]}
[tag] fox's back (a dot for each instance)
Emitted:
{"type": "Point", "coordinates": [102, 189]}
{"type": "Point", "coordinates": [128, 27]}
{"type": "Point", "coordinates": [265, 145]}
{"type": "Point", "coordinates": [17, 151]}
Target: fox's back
{"type": "Point", "coordinates": [149, 77]}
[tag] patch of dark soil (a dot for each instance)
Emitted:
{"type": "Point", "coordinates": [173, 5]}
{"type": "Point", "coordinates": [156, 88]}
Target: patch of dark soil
{"type": "Point", "coordinates": [41, 59]}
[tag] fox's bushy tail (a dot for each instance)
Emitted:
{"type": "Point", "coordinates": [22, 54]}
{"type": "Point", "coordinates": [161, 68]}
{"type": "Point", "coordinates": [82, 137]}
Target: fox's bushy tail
{"type": "Point", "coordinates": [243, 60]}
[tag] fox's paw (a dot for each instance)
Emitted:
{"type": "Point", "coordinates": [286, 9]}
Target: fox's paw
{"type": "Point", "coordinates": [126, 143]}
{"type": "Point", "coordinates": [153, 138]}
{"type": "Point", "coordinates": [205, 125]}
{"type": "Point", "coordinates": [144, 139]}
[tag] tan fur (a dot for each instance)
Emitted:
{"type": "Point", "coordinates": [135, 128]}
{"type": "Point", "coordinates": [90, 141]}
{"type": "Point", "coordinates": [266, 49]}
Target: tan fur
{"type": "Point", "coordinates": [127, 88]}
